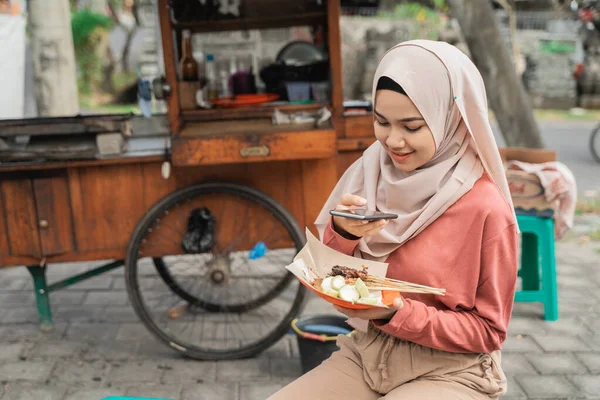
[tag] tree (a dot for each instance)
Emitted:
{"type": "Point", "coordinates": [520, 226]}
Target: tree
{"type": "Point", "coordinates": [506, 94]}
{"type": "Point", "coordinates": [53, 57]}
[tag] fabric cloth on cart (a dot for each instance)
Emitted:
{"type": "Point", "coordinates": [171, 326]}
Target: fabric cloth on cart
{"type": "Point", "coordinates": [559, 185]}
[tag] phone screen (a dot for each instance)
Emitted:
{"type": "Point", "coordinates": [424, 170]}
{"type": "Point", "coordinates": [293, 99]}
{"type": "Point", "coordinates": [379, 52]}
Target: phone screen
{"type": "Point", "coordinates": [363, 214]}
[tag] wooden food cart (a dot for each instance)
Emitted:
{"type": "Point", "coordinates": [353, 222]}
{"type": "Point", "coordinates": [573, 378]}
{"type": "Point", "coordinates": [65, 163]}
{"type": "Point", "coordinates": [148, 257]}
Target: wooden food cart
{"type": "Point", "coordinates": [204, 247]}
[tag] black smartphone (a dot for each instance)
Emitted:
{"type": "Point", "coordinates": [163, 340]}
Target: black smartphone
{"type": "Point", "coordinates": [363, 214]}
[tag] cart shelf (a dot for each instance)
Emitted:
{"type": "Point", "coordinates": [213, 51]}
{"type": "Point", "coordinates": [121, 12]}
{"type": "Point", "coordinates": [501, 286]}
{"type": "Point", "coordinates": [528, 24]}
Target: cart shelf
{"type": "Point", "coordinates": [61, 165]}
{"type": "Point", "coordinates": [270, 22]}
{"type": "Point", "coordinates": [264, 111]}
{"type": "Point", "coordinates": [227, 142]}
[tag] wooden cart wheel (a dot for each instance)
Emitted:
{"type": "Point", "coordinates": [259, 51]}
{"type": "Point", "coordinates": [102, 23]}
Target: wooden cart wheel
{"type": "Point", "coordinates": [233, 298]}
{"type": "Point", "coordinates": [199, 300]}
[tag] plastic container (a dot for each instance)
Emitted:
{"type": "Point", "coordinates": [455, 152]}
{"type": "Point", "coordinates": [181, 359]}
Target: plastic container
{"type": "Point", "coordinates": [320, 91]}
{"type": "Point", "coordinates": [317, 337]}
{"type": "Point", "coordinates": [298, 92]}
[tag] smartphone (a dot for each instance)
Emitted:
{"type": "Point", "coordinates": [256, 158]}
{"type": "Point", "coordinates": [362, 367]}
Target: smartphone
{"type": "Point", "coordinates": [363, 214]}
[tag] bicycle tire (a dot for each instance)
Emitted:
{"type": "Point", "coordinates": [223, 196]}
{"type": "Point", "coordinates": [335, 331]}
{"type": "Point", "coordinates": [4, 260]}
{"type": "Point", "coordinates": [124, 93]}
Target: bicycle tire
{"type": "Point", "coordinates": [594, 143]}
{"type": "Point", "coordinates": [156, 211]}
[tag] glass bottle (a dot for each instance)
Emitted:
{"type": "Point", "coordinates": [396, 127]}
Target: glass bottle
{"type": "Point", "coordinates": [187, 65]}
{"type": "Point", "coordinates": [212, 83]}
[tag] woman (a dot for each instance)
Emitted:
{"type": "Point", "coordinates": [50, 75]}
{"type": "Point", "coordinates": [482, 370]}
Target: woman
{"type": "Point", "coordinates": [437, 166]}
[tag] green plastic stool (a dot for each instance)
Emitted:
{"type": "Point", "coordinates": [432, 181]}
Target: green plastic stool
{"type": "Point", "coordinates": [538, 264]}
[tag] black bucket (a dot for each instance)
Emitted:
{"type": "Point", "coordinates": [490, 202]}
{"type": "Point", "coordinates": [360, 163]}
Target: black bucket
{"type": "Point", "coordinates": [317, 338]}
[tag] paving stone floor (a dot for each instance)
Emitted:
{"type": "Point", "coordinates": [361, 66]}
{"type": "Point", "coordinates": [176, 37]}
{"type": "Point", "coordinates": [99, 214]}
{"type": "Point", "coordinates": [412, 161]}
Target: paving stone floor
{"type": "Point", "coordinates": [99, 348]}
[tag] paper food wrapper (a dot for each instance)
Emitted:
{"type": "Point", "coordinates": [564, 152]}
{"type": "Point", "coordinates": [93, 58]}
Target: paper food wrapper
{"type": "Point", "coordinates": [315, 260]}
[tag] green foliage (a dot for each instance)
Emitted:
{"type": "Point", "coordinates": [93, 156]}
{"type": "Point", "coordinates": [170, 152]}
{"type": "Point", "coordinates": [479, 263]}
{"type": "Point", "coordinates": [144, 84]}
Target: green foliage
{"type": "Point", "coordinates": [87, 104]}
{"type": "Point", "coordinates": [122, 80]}
{"type": "Point", "coordinates": [410, 10]}
{"type": "Point", "coordinates": [589, 206]}
{"type": "Point", "coordinates": [84, 22]}
{"type": "Point", "coordinates": [440, 5]}
{"type": "Point", "coordinates": [426, 21]}
{"type": "Point", "coordinates": [90, 30]}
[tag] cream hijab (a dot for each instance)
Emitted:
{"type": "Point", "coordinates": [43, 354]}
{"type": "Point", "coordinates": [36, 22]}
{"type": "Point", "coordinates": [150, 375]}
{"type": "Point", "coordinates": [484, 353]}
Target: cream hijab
{"type": "Point", "coordinates": [449, 92]}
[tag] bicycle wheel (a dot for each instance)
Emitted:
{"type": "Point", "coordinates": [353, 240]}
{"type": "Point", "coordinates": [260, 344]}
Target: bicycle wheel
{"type": "Point", "coordinates": [229, 300]}
{"type": "Point", "coordinates": [595, 143]}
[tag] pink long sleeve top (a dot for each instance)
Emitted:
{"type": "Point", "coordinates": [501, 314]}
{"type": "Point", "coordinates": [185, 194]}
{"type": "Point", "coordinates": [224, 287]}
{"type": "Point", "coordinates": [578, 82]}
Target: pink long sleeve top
{"type": "Point", "coordinates": [471, 251]}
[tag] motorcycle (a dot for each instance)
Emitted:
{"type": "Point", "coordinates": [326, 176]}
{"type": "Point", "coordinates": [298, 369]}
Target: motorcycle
{"type": "Point", "coordinates": [587, 54]}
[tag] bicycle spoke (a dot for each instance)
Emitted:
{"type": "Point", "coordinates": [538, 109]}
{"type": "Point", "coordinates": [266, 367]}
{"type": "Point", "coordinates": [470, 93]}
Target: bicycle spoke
{"type": "Point", "coordinates": [182, 296]}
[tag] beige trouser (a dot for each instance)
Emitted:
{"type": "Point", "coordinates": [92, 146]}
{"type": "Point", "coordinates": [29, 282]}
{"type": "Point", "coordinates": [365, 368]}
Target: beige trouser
{"type": "Point", "coordinates": [374, 365]}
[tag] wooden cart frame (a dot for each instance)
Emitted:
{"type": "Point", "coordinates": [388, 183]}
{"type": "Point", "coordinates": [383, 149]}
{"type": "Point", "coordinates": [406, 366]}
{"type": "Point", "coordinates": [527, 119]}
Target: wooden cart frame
{"type": "Point", "coordinates": [87, 210]}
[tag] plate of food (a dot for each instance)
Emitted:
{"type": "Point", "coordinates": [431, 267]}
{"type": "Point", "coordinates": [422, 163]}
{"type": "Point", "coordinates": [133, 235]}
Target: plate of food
{"type": "Point", "coordinates": [348, 281]}
{"type": "Point", "coordinates": [346, 287]}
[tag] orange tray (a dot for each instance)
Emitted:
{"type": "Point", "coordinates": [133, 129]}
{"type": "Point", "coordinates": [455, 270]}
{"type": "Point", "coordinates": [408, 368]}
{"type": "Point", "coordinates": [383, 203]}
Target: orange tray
{"type": "Point", "coordinates": [387, 298]}
{"type": "Point", "coordinates": [242, 100]}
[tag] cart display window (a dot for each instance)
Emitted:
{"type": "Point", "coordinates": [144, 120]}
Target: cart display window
{"type": "Point", "coordinates": [252, 72]}
{"type": "Point", "coordinates": [252, 80]}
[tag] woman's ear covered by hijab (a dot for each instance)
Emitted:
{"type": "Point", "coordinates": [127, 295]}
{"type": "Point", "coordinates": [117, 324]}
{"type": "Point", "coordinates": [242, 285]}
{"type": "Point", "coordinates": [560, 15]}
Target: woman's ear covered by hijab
{"type": "Point", "coordinates": [448, 91]}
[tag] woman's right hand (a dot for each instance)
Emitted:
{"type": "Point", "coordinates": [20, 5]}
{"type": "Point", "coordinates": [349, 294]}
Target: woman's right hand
{"type": "Point", "coordinates": [355, 227]}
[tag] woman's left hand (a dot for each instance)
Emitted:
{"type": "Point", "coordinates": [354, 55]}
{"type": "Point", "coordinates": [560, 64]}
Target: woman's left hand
{"type": "Point", "coordinates": [373, 313]}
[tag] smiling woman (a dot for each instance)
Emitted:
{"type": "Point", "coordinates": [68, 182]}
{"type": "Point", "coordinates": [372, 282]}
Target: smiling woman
{"type": "Point", "coordinates": [400, 127]}
{"type": "Point", "coordinates": [436, 165]}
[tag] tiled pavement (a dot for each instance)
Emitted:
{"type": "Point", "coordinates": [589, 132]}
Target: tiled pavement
{"type": "Point", "coordinates": [100, 349]}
